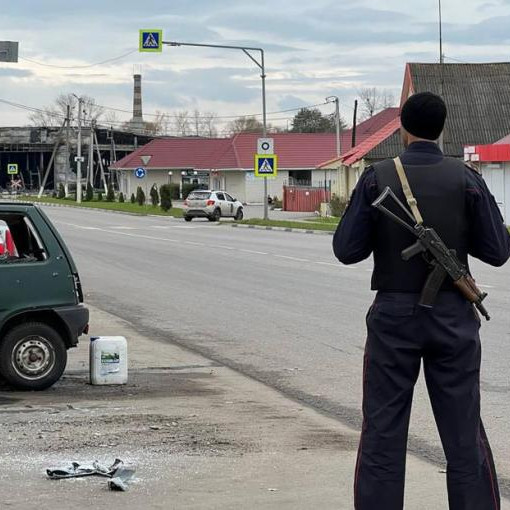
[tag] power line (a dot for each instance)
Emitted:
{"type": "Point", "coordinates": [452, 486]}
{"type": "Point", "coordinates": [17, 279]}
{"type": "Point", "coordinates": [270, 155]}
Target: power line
{"type": "Point", "coordinates": [113, 59]}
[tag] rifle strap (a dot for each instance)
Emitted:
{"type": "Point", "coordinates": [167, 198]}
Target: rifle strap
{"type": "Point", "coordinates": [411, 201]}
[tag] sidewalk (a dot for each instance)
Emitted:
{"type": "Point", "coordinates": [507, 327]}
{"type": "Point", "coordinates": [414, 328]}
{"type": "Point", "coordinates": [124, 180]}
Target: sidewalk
{"type": "Point", "coordinates": [202, 437]}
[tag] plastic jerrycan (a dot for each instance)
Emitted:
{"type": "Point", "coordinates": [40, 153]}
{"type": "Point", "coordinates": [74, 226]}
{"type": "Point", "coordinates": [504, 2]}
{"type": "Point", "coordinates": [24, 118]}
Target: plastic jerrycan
{"type": "Point", "coordinates": [108, 360]}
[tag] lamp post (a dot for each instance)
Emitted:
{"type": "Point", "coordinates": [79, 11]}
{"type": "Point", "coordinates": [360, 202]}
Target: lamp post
{"type": "Point", "coordinates": [170, 177]}
{"type": "Point", "coordinates": [261, 65]}
{"type": "Point", "coordinates": [78, 157]}
{"type": "Point", "coordinates": [334, 99]}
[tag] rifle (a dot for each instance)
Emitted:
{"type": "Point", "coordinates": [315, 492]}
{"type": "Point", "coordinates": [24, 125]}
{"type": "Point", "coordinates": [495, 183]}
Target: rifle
{"type": "Point", "coordinates": [444, 262]}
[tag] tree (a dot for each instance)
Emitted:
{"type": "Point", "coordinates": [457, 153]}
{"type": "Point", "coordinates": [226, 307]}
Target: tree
{"type": "Point", "coordinates": [61, 191]}
{"type": "Point", "coordinates": [244, 125]}
{"type": "Point", "coordinates": [154, 195]}
{"type": "Point", "coordinates": [110, 195]}
{"type": "Point", "coordinates": [203, 124]}
{"type": "Point", "coordinates": [121, 198]}
{"type": "Point", "coordinates": [166, 197]}
{"type": "Point", "coordinates": [182, 124]}
{"type": "Point", "coordinates": [311, 120]}
{"type": "Point", "coordinates": [140, 196]}
{"type": "Point", "coordinates": [55, 113]}
{"type": "Point", "coordinates": [373, 100]}
{"type": "Point", "coordinates": [89, 194]}
{"type": "Point", "coordinates": [133, 198]}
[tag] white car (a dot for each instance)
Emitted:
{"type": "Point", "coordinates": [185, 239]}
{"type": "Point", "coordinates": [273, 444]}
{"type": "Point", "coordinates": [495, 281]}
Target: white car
{"type": "Point", "coordinates": [211, 205]}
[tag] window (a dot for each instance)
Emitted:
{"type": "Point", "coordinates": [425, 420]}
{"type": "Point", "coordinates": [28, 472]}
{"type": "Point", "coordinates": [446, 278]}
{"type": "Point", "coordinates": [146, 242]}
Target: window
{"type": "Point", "coordinates": [229, 198]}
{"type": "Point", "coordinates": [20, 240]}
{"type": "Point", "coordinates": [220, 196]}
{"type": "Point", "coordinates": [198, 195]}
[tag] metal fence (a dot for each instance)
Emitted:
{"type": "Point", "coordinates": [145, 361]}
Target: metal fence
{"type": "Point", "coordinates": [304, 199]}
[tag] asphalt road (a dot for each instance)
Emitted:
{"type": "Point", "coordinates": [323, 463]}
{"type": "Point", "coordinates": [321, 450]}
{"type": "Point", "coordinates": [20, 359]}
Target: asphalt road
{"type": "Point", "coordinates": [275, 305]}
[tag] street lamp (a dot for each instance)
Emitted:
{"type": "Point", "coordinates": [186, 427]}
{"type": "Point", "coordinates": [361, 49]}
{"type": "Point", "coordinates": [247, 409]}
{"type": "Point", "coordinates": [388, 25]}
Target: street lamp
{"type": "Point", "coordinates": [170, 177]}
{"type": "Point", "coordinates": [261, 65]}
{"type": "Point", "coordinates": [334, 99]}
{"type": "Point", "coordinates": [79, 158]}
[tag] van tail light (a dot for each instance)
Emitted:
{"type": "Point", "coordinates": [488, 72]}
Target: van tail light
{"type": "Point", "coordinates": [210, 202]}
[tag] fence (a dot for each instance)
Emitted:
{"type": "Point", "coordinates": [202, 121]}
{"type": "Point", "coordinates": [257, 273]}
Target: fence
{"type": "Point", "coordinates": [304, 199]}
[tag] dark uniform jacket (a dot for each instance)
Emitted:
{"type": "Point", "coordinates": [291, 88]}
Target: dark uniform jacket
{"type": "Point", "coordinates": [485, 237]}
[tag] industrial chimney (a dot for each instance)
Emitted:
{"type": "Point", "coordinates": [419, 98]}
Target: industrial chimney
{"type": "Point", "coordinates": [137, 120]}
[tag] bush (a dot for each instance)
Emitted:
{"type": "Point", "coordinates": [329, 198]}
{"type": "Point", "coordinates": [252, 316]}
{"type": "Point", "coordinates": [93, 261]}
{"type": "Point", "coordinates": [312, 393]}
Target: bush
{"type": "Point", "coordinates": [338, 206]}
{"type": "Point", "coordinates": [277, 203]}
{"type": "Point", "coordinates": [89, 194]}
{"type": "Point", "coordinates": [175, 191]}
{"type": "Point", "coordinates": [187, 189]}
{"type": "Point", "coordinates": [154, 196]}
{"type": "Point", "coordinates": [140, 196]}
{"type": "Point", "coordinates": [121, 198]}
{"type": "Point", "coordinates": [100, 197]}
{"type": "Point", "coordinates": [166, 197]}
{"type": "Point", "coordinates": [133, 198]}
{"type": "Point", "coordinates": [110, 195]}
{"type": "Point", "coordinates": [61, 191]}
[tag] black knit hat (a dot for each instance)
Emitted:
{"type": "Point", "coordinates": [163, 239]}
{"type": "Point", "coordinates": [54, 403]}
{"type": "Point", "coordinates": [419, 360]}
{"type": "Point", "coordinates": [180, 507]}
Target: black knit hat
{"type": "Point", "coordinates": [423, 115]}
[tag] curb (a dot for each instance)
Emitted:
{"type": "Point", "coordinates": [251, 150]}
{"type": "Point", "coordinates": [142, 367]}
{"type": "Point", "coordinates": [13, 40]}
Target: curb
{"type": "Point", "coordinates": [98, 209]}
{"type": "Point", "coordinates": [284, 229]}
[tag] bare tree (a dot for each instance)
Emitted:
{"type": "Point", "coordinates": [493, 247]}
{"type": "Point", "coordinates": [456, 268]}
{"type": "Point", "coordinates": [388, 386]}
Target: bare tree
{"type": "Point", "coordinates": [373, 100]}
{"type": "Point", "coordinates": [182, 123]}
{"type": "Point", "coordinates": [55, 113]}
{"type": "Point", "coordinates": [244, 125]}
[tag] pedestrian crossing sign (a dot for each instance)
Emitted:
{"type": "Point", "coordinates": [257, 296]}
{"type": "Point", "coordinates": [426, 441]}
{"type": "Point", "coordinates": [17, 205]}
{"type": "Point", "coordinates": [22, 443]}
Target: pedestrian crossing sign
{"type": "Point", "coordinates": [266, 165]}
{"type": "Point", "coordinates": [151, 40]}
{"type": "Point", "coordinates": [12, 169]}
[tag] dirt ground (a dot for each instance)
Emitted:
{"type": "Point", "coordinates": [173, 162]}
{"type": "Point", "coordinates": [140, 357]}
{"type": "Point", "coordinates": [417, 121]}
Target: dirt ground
{"type": "Point", "coordinates": [200, 435]}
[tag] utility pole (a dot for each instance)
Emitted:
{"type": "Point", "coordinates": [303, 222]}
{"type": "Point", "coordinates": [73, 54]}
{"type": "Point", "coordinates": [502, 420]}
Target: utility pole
{"type": "Point", "coordinates": [337, 127]}
{"type": "Point", "coordinates": [90, 169]}
{"type": "Point", "coordinates": [441, 63]}
{"type": "Point", "coordinates": [68, 152]}
{"type": "Point", "coordinates": [78, 158]}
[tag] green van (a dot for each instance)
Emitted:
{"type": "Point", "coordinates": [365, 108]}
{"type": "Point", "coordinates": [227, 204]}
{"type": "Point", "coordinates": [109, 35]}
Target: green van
{"type": "Point", "coordinates": [41, 310]}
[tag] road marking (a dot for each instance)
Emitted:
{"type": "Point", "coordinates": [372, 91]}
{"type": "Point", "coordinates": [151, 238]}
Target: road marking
{"type": "Point", "coordinates": [222, 247]}
{"type": "Point", "coordinates": [193, 243]}
{"type": "Point", "coordinates": [123, 228]}
{"type": "Point", "coordinates": [486, 286]}
{"type": "Point", "coordinates": [291, 258]}
{"type": "Point", "coordinates": [253, 251]}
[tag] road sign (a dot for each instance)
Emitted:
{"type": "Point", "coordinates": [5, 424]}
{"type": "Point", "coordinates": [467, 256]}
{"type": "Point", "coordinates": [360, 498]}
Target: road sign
{"type": "Point", "coordinates": [81, 159]}
{"type": "Point", "coordinates": [265, 146]}
{"type": "Point", "coordinates": [151, 40]}
{"type": "Point", "coordinates": [12, 168]}
{"type": "Point", "coordinates": [140, 172]}
{"type": "Point", "coordinates": [266, 165]}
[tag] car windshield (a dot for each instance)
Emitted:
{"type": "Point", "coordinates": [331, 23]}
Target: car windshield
{"type": "Point", "coordinates": [199, 195]}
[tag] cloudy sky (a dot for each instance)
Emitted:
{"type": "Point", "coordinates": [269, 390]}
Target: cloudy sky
{"type": "Point", "coordinates": [313, 49]}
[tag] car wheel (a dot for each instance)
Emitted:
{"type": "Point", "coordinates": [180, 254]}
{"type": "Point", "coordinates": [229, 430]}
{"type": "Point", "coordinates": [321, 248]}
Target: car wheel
{"type": "Point", "coordinates": [216, 215]}
{"type": "Point", "coordinates": [188, 218]}
{"type": "Point", "coordinates": [33, 356]}
{"type": "Point", "coordinates": [239, 214]}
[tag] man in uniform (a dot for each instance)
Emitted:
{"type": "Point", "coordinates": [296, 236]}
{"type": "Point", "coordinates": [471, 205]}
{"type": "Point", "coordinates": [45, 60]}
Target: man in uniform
{"type": "Point", "coordinates": [455, 201]}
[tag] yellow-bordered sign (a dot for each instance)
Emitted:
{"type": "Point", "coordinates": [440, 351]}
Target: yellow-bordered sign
{"type": "Point", "coordinates": [266, 165]}
{"type": "Point", "coordinates": [150, 40]}
{"type": "Point", "coordinates": [12, 168]}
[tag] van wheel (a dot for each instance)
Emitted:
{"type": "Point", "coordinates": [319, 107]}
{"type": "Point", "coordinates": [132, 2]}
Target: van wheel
{"type": "Point", "coordinates": [33, 356]}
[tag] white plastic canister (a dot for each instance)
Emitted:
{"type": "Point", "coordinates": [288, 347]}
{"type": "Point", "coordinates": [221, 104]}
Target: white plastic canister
{"type": "Point", "coordinates": [108, 360]}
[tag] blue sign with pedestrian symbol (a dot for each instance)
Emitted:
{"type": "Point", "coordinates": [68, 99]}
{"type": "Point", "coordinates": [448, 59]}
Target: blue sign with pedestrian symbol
{"type": "Point", "coordinates": [150, 40]}
{"type": "Point", "coordinates": [266, 165]}
{"type": "Point", "coordinates": [140, 173]}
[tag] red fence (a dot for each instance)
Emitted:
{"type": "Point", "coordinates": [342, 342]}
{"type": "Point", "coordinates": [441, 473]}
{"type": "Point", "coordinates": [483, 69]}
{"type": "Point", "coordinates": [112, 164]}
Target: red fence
{"type": "Point", "coordinates": [299, 199]}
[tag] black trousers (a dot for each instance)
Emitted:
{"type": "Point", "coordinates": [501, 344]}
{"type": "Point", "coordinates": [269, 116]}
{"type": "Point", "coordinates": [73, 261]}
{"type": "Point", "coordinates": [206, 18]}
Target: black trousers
{"type": "Point", "coordinates": [400, 334]}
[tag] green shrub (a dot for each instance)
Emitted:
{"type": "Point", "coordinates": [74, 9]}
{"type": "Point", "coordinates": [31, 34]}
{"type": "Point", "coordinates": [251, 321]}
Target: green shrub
{"type": "Point", "coordinates": [187, 189]}
{"type": "Point", "coordinates": [89, 194]}
{"type": "Point", "coordinates": [100, 196]}
{"type": "Point", "coordinates": [338, 206]}
{"type": "Point", "coordinates": [166, 197]}
{"type": "Point", "coordinates": [175, 191]}
{"type": "Point", "coordinates": [110, 195]}
{"type": "Point", "coordinates": [121, 198]}
{"type": "Point", "coordinates": [133, 198]}
{"type": "Point", "coordinates": [154, 196]}
{"type": "Point", "coordinates": [140, 196]}
{"type": "Point", "coordinates": [61, 191]}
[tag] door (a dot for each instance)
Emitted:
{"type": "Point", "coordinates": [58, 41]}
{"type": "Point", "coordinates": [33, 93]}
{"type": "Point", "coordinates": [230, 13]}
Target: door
{"type": "Point", "coordinates": [230, 203]}
{"type": "Point", "coordinates": [494, 176]}
{"type": "Point", "coordinates": [223, 204]}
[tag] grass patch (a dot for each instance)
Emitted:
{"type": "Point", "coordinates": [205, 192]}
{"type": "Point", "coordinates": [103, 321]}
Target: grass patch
{"type": "Point", "coordinates": [330, 220]}
{"type": "Point", "coordinates": [110, 206]}
{"type": "Point", "coordinates": [289, 224]}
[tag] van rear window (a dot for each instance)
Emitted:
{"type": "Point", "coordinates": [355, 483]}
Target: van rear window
{"type": "Point", "coordinates": [199, 195]}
